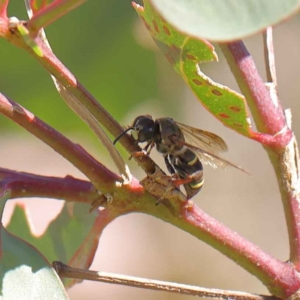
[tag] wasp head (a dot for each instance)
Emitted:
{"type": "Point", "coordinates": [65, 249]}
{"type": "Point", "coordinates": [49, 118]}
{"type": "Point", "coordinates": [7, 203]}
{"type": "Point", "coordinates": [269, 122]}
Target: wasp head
{"type": "Point", "coordinates": [143, 129]}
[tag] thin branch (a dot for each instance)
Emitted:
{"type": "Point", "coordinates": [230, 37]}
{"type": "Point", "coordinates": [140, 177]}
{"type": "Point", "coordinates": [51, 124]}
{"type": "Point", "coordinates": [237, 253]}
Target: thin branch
{"type": "Point", "coordinates": [89, 119]}
{"type": "Point", "coordinates": [287, 168]}
{"type": "Point", "coordinates": [157, 285]}
{"type": "Point", "coordinates": [278, 276]}
{"type": "Point", "coordinates": [51, 12]}
{"type": "Point", "coordinates": [269, 56]}
{"type": "Point", "coordinates": [83, 113]}
{"type": "Point", "coordinates": [101, 177]}
{"type": "Point", "coordinates": [68, 188]}
{"type": "Point", "coordinates": [3, 11]}
{"type": "Point", "coordinates": [271, 83]}
{"type": "Point", "coordinates": [268, 116]}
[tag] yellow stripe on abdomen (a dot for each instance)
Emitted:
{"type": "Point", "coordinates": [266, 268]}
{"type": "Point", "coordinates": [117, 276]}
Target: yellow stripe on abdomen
{"type": "Point", "coordinates": [197, 185]}
{"type": "Point", "coordinates": [193, 161]}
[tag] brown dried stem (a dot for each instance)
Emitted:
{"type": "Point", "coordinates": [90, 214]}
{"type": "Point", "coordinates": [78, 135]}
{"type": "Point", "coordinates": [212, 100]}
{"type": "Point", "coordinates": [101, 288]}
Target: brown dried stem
{"type": "Point", "coordinates": [157, 285]}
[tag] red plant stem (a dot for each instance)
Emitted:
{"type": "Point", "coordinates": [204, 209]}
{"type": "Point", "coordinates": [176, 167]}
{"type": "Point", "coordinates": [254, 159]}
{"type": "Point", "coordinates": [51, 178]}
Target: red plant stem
{"type": "Point", "coordinates": [68, 188]}
{"type": "Point", "coordinates": [3, 11]}
{"type": "Point", "coordinates": [270, 271]}
{"type": "Point", "coordinates": [269, 118]}
{"type": "Point", "coordinates": [280, 278]}
{"type": "Point", "coordinates": [103, 218]}
{"type": "Point", "coordinates": [101, 177]}
{"type": "Point", "coordinates": [51, 12]}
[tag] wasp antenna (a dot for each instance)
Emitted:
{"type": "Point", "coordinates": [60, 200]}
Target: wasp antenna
{"type": "Point", "coordinates": [120, 135]}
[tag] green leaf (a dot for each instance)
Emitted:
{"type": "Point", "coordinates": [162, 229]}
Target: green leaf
{"type": "Point", "coordinates": [224, 20]}
{"type": "Point", "coordinates": [184, 53]}
{"type": "Point", "coordinates": [71, 238]}
{"type": "Point", "coordinates": [24, 272]}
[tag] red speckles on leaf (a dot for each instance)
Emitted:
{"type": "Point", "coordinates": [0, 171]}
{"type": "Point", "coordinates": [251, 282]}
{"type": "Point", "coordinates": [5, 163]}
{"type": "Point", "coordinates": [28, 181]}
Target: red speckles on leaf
{"type": "Point", "coordinates": [224, 116]}
{"type": "Point", "coordinates": [197, 81]}
{"type": "Point", "coordinates": [173, 54]}
{"type": "Point", "coordinates": [190, 57]}
{"type": "Point", "coordinates": [146, 24]}
{"type": "Point", "coordinates": [238, 125]}
{"type": "Point", "coordinates": [166, 30]}
{"type": "Point", "coordinates": [175, 49]}
{"type": "Point", "coordinates": [155, 26]}
{"type": "Point", "coordinates": [170, 59]}
{"type": "Point", "coordinates": [235, 109]}
{"type": "Point", "coordinates": [216, 93]}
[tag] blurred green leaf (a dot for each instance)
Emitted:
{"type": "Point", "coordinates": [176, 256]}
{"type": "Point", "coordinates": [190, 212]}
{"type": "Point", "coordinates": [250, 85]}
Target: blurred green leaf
{"type": "Point", "coordinates": [69, 238]}
{"type": "Point", "coordinates": [184, 53]}
{"type": "Point", "coordinates": [225, 20]}
{"type": "Point", "coordinates": [24, 272]}
{"type": "Point", "coordinates": [97, 43]}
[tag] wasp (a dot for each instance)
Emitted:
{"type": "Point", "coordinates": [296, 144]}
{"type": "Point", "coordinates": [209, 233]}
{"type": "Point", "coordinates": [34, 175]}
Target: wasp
{"type": "Point", "coordinates": [183, 147]}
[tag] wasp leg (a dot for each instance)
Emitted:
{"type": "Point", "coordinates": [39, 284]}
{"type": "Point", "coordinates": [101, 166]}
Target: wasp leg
{"type": "Point", "coordinates": [179, 174]}
{"type": "Point", "coordinates": [148, 148]}
{"type": "Point", "coordinates": [178, 182]}
{"type": "Point", "coordinates": [145, 151]}
{"type": "Point", "coordinates": [168, 159]}
{"type": "Point", "coordinates": [188, 174]}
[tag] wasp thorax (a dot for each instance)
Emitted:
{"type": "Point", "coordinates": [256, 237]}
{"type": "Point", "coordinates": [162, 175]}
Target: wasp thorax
{"type": "Point", "coordinates": [144, 129]}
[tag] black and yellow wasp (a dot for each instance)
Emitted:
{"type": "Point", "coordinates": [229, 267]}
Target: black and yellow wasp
{"type": "Point", "coordinates": [183, 147]}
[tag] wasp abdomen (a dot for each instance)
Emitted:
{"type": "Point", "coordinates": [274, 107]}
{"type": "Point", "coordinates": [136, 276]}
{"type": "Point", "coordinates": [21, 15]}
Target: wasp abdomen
{"type": "Point", "coordinates": [187, 165]}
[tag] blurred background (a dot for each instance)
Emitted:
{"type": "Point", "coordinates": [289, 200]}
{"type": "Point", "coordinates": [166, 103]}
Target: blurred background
{"type": "Point", "coordinates": [105, 45]}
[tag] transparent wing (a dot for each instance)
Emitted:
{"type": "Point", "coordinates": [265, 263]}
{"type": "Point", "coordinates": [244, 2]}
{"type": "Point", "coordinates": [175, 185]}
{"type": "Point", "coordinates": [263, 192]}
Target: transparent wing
{"type": "Point", "coordinates": [206, 145]}
{"type": "Point", "coordinates": [203, 139]}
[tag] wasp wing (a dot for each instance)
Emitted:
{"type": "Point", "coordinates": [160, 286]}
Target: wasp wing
{"type": "Point", "coordinates": [202, 139]}
{"type": "Point", "coordinates": [212, 159]}
{"type": "Point", "coordinates": [206, 145]}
